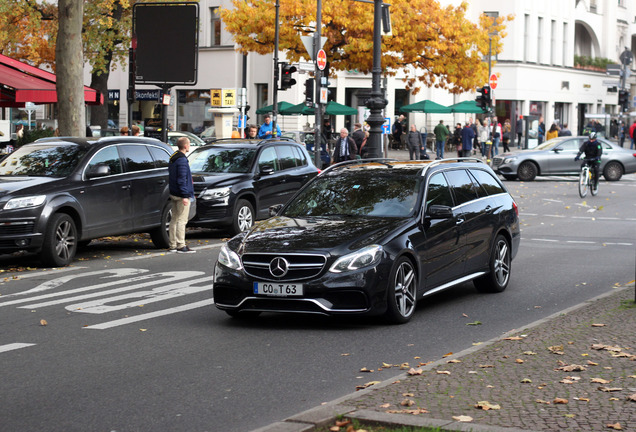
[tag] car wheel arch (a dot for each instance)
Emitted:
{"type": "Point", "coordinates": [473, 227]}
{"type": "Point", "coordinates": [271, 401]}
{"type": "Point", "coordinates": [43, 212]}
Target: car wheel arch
{"type": "Point", "coordinates": [69, 207]}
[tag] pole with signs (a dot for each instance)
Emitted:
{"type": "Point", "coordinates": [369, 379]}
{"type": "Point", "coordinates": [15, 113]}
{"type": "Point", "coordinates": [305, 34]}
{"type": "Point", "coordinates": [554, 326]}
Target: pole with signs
{"type": "Point", "coordinates": [317, 45]}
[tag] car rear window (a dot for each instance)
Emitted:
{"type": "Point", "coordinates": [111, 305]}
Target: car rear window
{"type": "Point", "coordinates": [488, 183]}
{"type": "Point", "coordinates": [136, 157]}
{"type": "Point", "coordinates": [50, 160]}
{"type": "Point", "coordinates": [287, 156]}
{"type": "Point", "coordinates": [161, 156]}
{"type": "Point", "coordinates": [222, 160]}
{"type": "Point", "coordinates": [462, 186]}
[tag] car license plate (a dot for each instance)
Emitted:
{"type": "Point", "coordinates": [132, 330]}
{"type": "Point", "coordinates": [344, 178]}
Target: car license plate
{"type": "Point", "coordinates": [278, 289]}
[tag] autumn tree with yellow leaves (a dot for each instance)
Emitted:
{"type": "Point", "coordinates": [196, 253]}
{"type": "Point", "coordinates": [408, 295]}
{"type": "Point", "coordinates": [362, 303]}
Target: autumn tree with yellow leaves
{"type": "Point", "coordinates": [434, 46]}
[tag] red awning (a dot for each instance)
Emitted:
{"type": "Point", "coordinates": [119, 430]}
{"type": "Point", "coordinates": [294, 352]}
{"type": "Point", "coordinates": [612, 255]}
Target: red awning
{"type": "Point", "coordinates": [21, 83]}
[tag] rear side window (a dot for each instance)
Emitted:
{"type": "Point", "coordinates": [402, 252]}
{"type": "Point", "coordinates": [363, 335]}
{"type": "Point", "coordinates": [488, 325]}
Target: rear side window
{"type": "Point", "coordinates": [161, 157]}
{"type": "Point", "coordinates": [462, 186]}
{"type": "Point", "coordinates": [136, 157]}
{"type": "Point", "coordinates": [268, 158]}
{"type": "Point", "coordinates": [108, 156]}
{"type": "Point", "coordinates": [301, 160]}
{"type": "Point", "coordinates": [439, 192]}
{"type": "Point", "coordinates": [287, 157]}
{"type": "Point", "coordinates": [488, 183]}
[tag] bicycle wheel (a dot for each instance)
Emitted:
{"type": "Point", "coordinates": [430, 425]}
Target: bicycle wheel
{"type": "Point", "coordinates": [583, 176]}
{"type": "Point", "coordinates": [593, 185]}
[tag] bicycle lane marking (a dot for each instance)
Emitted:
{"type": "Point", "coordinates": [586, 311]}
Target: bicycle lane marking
{"type": "Point", "coordinates": [14, 346]}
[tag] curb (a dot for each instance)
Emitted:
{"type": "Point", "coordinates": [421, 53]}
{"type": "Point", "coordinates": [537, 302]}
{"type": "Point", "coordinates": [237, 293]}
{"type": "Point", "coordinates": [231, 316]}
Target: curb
{"type": "Point", "coordinates": [309, 420]}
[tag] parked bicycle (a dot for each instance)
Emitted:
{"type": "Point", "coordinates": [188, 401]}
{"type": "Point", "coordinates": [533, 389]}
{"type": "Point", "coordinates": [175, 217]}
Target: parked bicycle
{"type": "Point", "coordinates": [587, 180]}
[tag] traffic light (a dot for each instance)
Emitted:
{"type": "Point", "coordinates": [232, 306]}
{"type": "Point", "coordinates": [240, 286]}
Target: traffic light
{"type": "Point", "coordinates": [484, 99]}
{"type": "Point", "coordinates": [623, 100]}
{"type": "Point", "coordinates": [286, 80]}
{"type": "Point", "coordinates": [309, 92]}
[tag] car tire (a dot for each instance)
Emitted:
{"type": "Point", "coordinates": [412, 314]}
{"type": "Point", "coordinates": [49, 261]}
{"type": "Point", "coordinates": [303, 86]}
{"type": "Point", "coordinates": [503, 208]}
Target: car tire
{"type": "Point", "coordinates": [160, 236]}
{"type": "Point", "coordinates": [509, 177]}
{"type": "Point", "coordinates": [500, 265]}
{"type": "Point", "coordinates": [243, 217]}
{"type": "Point", "coordinates": [527, 171]}
{"type": "Point", "coordinates": [401, 292]}
{"type": "Point", "coordinates": [60, 241]}
{"type": "Point", "coordinates": [613, 171]}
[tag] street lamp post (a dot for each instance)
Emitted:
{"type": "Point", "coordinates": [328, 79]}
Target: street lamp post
{"type": "Point", "coordinates": [376, 103]}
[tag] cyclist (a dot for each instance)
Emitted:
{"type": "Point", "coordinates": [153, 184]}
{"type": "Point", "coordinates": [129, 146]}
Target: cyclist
{"type": "Point", "coordinates": [593, 151]}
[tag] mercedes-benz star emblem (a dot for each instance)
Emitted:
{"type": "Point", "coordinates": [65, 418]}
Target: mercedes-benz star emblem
{"type": "Point", "coordinates": [278, 267]}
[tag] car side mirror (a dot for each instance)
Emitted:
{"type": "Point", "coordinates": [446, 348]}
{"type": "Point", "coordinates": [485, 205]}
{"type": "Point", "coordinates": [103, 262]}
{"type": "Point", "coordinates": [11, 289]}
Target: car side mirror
{"type": "Point", "coordinates": [99, 170]}
{"type": "Point", "coordinates": [439, 212]}
{"type": "Point", "coordinates": [273, 210]}
{"type": "Point", "coordinates": [557, 150]}
{"type": "Point", "coordinates": [267, 170]}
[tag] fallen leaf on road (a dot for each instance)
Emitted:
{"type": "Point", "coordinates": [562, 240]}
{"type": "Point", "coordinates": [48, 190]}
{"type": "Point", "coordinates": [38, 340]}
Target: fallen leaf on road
{"type": "Point", "coordinates": [615, 426]}
{"type": "Point", "coordinates": [366, 370]}
{"type": "Point", "coordinates": [600, 381]}
{"type": "Point", "coordinates": [591, 363]}
{"type": "Point", "coordinates": [386, 365]}
{"type": "Point", "coordinates": [572, 368]}
{"type": "Point", "coordinates": [408, 395]}
{"type": "Point", "coordinates": [386, 405]}
{"type": "Point", "coordinates": [474, 323]}
{"type": "Point", "coordinates": [556, 349]}
{"type": "Point", "coordinates": [582, 399]}
{"type": "Point", "coordinates": [443, 373]}
{"type": "Point", "coordinates": [519, 361]}
{"type": "Point", "coordinates": [463, 418]}
{"type": "Point", "coordinates": [541, 401]}
{"type": "Point", "coordinates": [407, 402]}
{"type": "Point", "coordinates": [599, 325]}
{"type": "Point", "coordinates": [513, 338]}
{"type": "Point", "coordinates": [454, 361]}
{"type": "Point", "coordinates": [632, 398]}
{"type": "Point", "coordinates": [43, 322]}
{"type": "Point", "coordinates": [369, 384]}
{"type": "Point", "coordinates": [486, 366]}
{"type": "Point", "coordinates": [404, 366]}
{"type": "Point", "coordinates": [447, 355]}
{"type": "Point", "coordinates": [414, 371]}
{"type": "Point", "coordinates": [526, 381]}
{"type": "Point", "coordinates": [610, 389]}
{"type": "Point", "coordinates": [560, 401]}
{"type": "Point", "coordinates": [486, 406]}
{"type": "Point", "coordinates": [529, 353]}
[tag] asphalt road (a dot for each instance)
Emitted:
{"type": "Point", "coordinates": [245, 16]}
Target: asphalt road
{"type": "Point", "coordinates": [132, 341]}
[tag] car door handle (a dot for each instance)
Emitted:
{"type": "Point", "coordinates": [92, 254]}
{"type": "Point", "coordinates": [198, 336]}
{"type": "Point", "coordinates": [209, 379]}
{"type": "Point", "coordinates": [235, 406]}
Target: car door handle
{"type": "Point", "coordinates": [488, 208]}
{"type": "Point", "coordinates": [125, 187]}
{"type": "Point", "coordinates": [161, 182]}
{"type": "Point", "coordinates": [459, 221]}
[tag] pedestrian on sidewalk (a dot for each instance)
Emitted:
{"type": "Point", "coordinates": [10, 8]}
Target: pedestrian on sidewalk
{"type": "Point", "coordinates": [441, 134]}
{"type": "Point", "coordinates": [345, 148]}
{"type": "Point", "coordinates": [414, 142]}
{"type": "Point", "coordinates": [468, 135]}
{"type": "Point", "coordinates": [495, 136]}
{"type": "Point", "coordinates": [181, 196]}
{"type": "Point", "coordinates": [483, 139]}
{"type": "Point", "coordinates": [457, 139]}
{"type": "Point", "coordinates": [505, 137]}
{"type": "Point", "coordinates": [519, 130]}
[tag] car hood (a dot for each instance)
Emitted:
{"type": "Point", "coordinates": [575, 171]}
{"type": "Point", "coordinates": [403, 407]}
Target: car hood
{"type": "Point", "coordinates": [218, 179]}
{"type": "Point", "coordinates": [281, 233]}
{"type": "Point", "coordinates": [23, 184]}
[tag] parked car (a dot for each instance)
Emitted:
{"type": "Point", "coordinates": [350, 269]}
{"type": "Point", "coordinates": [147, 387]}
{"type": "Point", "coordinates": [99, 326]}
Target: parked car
{"type": "Point", "coordinates": [556, 157]}
{"type": "Point", "coordinates": [308, 139]}
{"type": "Point", "coordinates": [237, 180]}
{"type": "Point", "coordinates": [60, 192]}
{"type": "Point", "coordinates": [195, 141]}
{"type": "Point", "coordinates": [373, 238]}
{"type": "Point", "coordinates": [209, 134]}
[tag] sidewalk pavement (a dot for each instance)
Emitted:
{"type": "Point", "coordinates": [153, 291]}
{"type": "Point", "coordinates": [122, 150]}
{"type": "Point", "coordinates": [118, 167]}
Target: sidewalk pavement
{"type": "Point", "coordinates": [572, 371]}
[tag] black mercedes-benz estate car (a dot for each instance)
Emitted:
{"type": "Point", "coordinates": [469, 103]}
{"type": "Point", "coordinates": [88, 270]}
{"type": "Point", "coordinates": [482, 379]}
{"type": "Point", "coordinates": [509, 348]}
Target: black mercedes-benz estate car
{"type": "Point", "coordinates": [372, 237]}
{"type": "Point", "coordinates": [57, 193]}
{"type": "Point", "coordinates": [236, 181]}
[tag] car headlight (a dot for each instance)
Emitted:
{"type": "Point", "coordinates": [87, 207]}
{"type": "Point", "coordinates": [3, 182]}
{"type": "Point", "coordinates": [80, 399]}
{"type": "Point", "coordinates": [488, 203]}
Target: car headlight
{"type": "Point", "coordinates": [25, 202]}
{"type": "Point", "coordinates": [365, 257]}
{"type": "Point", "coordinates": [229, 258]}
{"type": "Point", "coordinates": [217, 193]}
{"type": "Point", "coordinates": [509, 160]}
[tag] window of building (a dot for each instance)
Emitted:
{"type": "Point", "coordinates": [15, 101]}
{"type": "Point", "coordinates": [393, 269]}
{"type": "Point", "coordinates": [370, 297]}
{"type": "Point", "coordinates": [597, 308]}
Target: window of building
{"type": "Point", "coordinates": [539, 40]}
{"type": "Point", "coordinates": [553, 42]}
{"type": "Point", "coordinates": [215, 26]}
{"type": "Point", "coordinates": [526, 37]}
{"type": "Point", "coordinates": [565, 44]}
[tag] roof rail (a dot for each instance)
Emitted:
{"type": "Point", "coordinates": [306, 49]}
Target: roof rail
{"type": "Point", "coordinates": [359, 161]}
{"type": "Point", "coordinates": [450, 160]}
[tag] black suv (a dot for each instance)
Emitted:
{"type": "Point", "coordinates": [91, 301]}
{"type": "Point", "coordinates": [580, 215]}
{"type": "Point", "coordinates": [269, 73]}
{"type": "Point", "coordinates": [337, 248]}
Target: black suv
{"type": "Point", "coordinates": [57, 193]}
{"type": "Point", "coordinates": [374, 237]}
{"type": "Point", "coordinates": [236, 181]}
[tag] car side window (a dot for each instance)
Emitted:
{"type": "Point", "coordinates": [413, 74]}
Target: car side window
{"type": "Point", "coordinates": [161, 157]}
{"type": "Point", "coordinates": [301, 160]}
{"type": "Point", "coordinates": [438, 192]}
{"type": "Point", "coordinates": [570, 145]}
{"type": "Point", "coordinates": [488, 182]}
{"type": "Point", "coordinates": [268, 158]}
{"type": "Point", "coordinates": [287, 157]}
{"type": "Point", "coordinates": [462, 186]}
{"type": "Point", "coordinates": [136, 157]}
{"type": "Point", "coordinates": [108, 156]}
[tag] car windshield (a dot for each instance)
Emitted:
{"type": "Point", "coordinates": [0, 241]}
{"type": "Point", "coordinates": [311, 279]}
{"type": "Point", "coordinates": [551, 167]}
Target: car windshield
{"type": "Point", "coordinates": [357, 194]}
{"type": "Point", "coordinates": [550, 144]}
{"type": "Point", "coordinates": [50, 160]}
{"type": "Point", "coordinates": [222, 160]}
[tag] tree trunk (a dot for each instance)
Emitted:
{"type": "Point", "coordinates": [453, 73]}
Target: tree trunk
{"type": "Point", "coordinates": [70, 69]}
{"type": "Point", "coordinates": [99, 113]}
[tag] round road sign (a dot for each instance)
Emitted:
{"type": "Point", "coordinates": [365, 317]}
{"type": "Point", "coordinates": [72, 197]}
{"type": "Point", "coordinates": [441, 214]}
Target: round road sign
{"type": "Point", "coordinates": [321, 59]}
{"type": "Point", "coordinates": [493, 81]}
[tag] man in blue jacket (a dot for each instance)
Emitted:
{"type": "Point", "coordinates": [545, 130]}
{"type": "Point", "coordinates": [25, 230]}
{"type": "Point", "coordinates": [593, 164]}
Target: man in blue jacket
{"type": "Point", "coordinates": [468, 135]}
{"type": "Point", "coordinates": [181, 196]}
{"type": "Point", "coordinates": [265, 130]}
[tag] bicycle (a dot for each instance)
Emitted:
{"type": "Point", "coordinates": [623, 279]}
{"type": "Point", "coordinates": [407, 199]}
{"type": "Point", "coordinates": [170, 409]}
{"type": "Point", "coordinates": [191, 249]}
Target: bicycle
{"type": "Point", "coordinates": [586, 181]}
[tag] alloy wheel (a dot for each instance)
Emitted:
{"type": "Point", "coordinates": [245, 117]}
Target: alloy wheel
{"type": "Point", "coordinates": [501, 263]}
{"type": "Point", "coordinates": [405, 289]}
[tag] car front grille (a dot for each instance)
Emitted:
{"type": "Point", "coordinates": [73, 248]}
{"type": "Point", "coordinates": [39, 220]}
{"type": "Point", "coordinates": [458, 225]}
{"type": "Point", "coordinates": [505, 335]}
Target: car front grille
{"type": "Point", "coordinates": [299, 266]}
{"type": "Point", "coordinates": [497, 161]}
{"type": "Point", "coordinates": [16, 228]}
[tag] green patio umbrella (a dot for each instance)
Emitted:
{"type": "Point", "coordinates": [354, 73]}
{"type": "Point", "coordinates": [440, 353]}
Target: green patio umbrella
{"type": "Point", "coordinates": [332, 108]}
{"type": "Point", "coordinates": [467, 107]}
{"type": "Point", "coordinates": [426, 106]}
{"type": "Point", "coordinates": [270, 108]}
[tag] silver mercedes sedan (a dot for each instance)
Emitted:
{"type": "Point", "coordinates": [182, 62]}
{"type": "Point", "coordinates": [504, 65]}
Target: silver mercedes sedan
{"type": "Point", "coordinates": [556, 157]}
